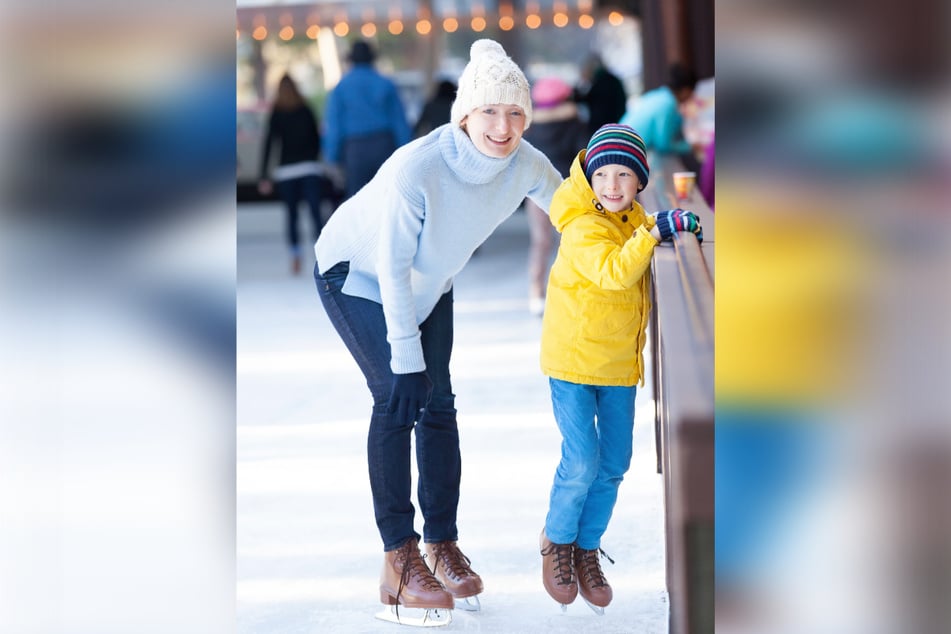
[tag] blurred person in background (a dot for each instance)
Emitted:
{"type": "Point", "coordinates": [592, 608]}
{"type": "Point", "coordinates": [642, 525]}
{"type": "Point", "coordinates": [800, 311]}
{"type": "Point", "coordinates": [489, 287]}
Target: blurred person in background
{"type": "Point", "coordinates": [385, 267]}
{"type": "Point", "coordinates": [437, 110]}
{"type": "Point", "coordinates": [558, 131]}
{"type": "Point", "coordinates": [593, 336]}
{"type": "Point", "coordinates": [657, 116]}
{"type": "Point", "coordinates": [602, 94]}
{"type": "Point", "coordinates": [293, 125]}
{"type": "Point", "coordinates": [708, 173]}
{"type": "Point", "coordinates": [365, 120]}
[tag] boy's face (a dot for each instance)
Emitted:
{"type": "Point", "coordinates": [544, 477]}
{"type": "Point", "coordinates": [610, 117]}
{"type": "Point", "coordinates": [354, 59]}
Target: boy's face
{"type": "Point", "coordinates": [615, 186]}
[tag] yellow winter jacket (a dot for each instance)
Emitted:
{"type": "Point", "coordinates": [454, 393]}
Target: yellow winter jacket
{"type": "Point", "coordinates": [595, 322]}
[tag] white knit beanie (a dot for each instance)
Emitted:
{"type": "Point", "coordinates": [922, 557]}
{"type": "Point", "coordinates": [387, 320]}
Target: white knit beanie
{"type": "Point", "coordinates": [490, 77]}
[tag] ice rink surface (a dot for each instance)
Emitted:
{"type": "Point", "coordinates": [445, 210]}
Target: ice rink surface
{"type": "Point", "coordinates": [308, 552]}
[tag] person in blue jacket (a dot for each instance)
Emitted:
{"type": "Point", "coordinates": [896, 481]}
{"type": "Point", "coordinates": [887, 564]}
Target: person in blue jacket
{"type": "Point", "coordinates": [364, 120]}
{"type": "Point", "coordinates": [656, 114]}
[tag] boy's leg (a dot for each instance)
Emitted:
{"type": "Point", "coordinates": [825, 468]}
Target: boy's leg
{"type": "Point", "coordinates": [574, 407]}
{"type": "Point", "coordinates": [616, 439]}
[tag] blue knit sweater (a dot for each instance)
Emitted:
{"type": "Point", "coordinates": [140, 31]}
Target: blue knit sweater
{"type": "Point", "coordinates": [411, 229]}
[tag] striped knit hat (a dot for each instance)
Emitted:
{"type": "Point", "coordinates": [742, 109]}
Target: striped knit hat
{"type": "Point", "coordinates": [614, 143]}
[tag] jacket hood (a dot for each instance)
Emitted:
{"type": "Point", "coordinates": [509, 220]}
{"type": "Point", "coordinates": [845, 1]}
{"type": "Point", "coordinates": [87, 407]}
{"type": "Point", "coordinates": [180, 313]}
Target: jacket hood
{"type": "Point", "coordinates": [574, 197]}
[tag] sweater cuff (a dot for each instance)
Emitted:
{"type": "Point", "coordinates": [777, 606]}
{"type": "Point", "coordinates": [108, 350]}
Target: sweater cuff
{"type": "Point", "coordinates": [646, 230]}
{"type": "Point", "coordinates": [406, 356]}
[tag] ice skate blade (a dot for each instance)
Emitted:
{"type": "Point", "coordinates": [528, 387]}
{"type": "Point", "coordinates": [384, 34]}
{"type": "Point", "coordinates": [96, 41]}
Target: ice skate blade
{"type": "Point", "coordinates": [596, 609]}
{"type": "Point", "coordinates": [416, 617]}
{"type": "Point", "coordinates": [469, 604]}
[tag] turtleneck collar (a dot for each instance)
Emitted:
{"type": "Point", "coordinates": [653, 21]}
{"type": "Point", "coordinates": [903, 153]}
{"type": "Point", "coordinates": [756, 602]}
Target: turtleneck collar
{"type": "Point", "coordinates": [465, 160]}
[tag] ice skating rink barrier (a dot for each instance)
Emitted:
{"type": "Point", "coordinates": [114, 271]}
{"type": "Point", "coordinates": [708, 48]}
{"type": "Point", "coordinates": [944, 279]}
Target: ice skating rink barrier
{"type": "Point", "coordinates": [682, 336]}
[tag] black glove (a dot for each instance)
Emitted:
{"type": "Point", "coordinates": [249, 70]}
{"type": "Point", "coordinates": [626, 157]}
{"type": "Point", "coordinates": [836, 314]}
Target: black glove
{"type": "Point", "coordinates": [410, 394]}
{"type": "Point", "coordinates": [678, 220]}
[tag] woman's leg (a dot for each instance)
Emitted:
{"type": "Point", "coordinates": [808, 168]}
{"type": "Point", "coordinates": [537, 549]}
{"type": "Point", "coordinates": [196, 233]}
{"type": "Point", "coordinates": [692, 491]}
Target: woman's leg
{"type": "Point", "coordinates": [290, 194]}
{"type": "Point", "coordinates": [312, 189]}
{"type": "Point", "coordinates": [615, 439]}
{"type": "Point", "coordinates": [439, 462]}
{"type": "Point", "coordinates": [575, 407]}
{"type": "Point", "coordinates": [437, 435]}
{"type": "Point", "coordinates": [362, 327]}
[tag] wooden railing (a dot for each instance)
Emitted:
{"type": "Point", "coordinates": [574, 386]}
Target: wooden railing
{"type": "Point", "coordinates": [681, 336]}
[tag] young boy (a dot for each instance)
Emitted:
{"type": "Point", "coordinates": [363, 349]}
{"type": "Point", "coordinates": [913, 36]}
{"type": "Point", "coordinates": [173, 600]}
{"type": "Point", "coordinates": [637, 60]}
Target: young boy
{"type": "Point", "coordinates": [593, 334]}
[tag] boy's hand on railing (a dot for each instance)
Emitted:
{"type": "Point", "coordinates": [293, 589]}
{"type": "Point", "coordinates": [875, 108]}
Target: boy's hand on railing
{"type": "Point", "coordinates": [678, 220]}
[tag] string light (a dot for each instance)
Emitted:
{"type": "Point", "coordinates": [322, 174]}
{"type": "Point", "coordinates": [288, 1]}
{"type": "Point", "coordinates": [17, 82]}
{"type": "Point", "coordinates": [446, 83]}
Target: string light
{"type": "Point", "coordinates": [560, 19]}
{"type": "Point", "coordinates": [369, 23]}
{"type": "Point", "coordinates": [313, 26]}
{"type": "Point", "coordinates": [395, 25]}
{"type": "Point", "coordinates": [369, 27]}
{"type": "Point", "coordinates": [478, 22]}
{"type": "Point", "coordinates": [506, 21]}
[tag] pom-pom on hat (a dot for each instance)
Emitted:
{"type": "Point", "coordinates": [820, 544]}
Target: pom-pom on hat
{"type": "Point", "coordinates": [549, 92]}
{"type": "Point", "coordinates": [618, 144]}
{"type": "Point", "coordinates": [490, 77]}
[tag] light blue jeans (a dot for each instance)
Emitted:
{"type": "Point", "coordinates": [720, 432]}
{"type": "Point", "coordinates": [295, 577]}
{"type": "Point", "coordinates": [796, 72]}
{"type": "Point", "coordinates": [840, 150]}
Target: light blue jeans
{"type": "Point", "coordinates": [597, 430]}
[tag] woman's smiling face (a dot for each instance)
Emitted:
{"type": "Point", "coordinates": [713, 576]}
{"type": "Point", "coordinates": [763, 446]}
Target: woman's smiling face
{"type": "Point", "coordinates": [495, 129]}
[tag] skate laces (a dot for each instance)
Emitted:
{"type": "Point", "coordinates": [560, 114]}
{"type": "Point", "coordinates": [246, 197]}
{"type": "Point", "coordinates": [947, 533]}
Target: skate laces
{"type": "Point", "coordinates": [414, 568]}
{"type": "Point", "coordinates": [453, 559]}
{"type": "Point", "coordinates": [564, 572]}
{"type": "Point", "coordinates": [589, 565]}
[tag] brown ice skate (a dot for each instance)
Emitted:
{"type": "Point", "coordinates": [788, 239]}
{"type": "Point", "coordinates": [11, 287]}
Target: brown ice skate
{"type": "Point", "coordinates": [407, 581]}
{"type": "Point", "coordinates": [558, 572]}
{"type": "Point", "coordinates": [591, 582]}
{"type": "Point", "coordinates": [453, 569]}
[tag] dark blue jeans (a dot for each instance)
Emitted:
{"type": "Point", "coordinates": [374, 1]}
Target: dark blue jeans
{"type": "Point", "coordinates": [310, 190]}
{"type": "Point", "coordinates": [362, 327]}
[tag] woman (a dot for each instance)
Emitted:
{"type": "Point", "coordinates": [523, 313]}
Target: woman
{"type": "Point", "coordinates": [294, 126]}
{"type": "Point", "coordinates": [385, 267]}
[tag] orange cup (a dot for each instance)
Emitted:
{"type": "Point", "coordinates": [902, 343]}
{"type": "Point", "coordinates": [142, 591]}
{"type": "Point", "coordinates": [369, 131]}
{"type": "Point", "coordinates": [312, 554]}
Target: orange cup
{"type": "Point", "coordinates": [684, 183]}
